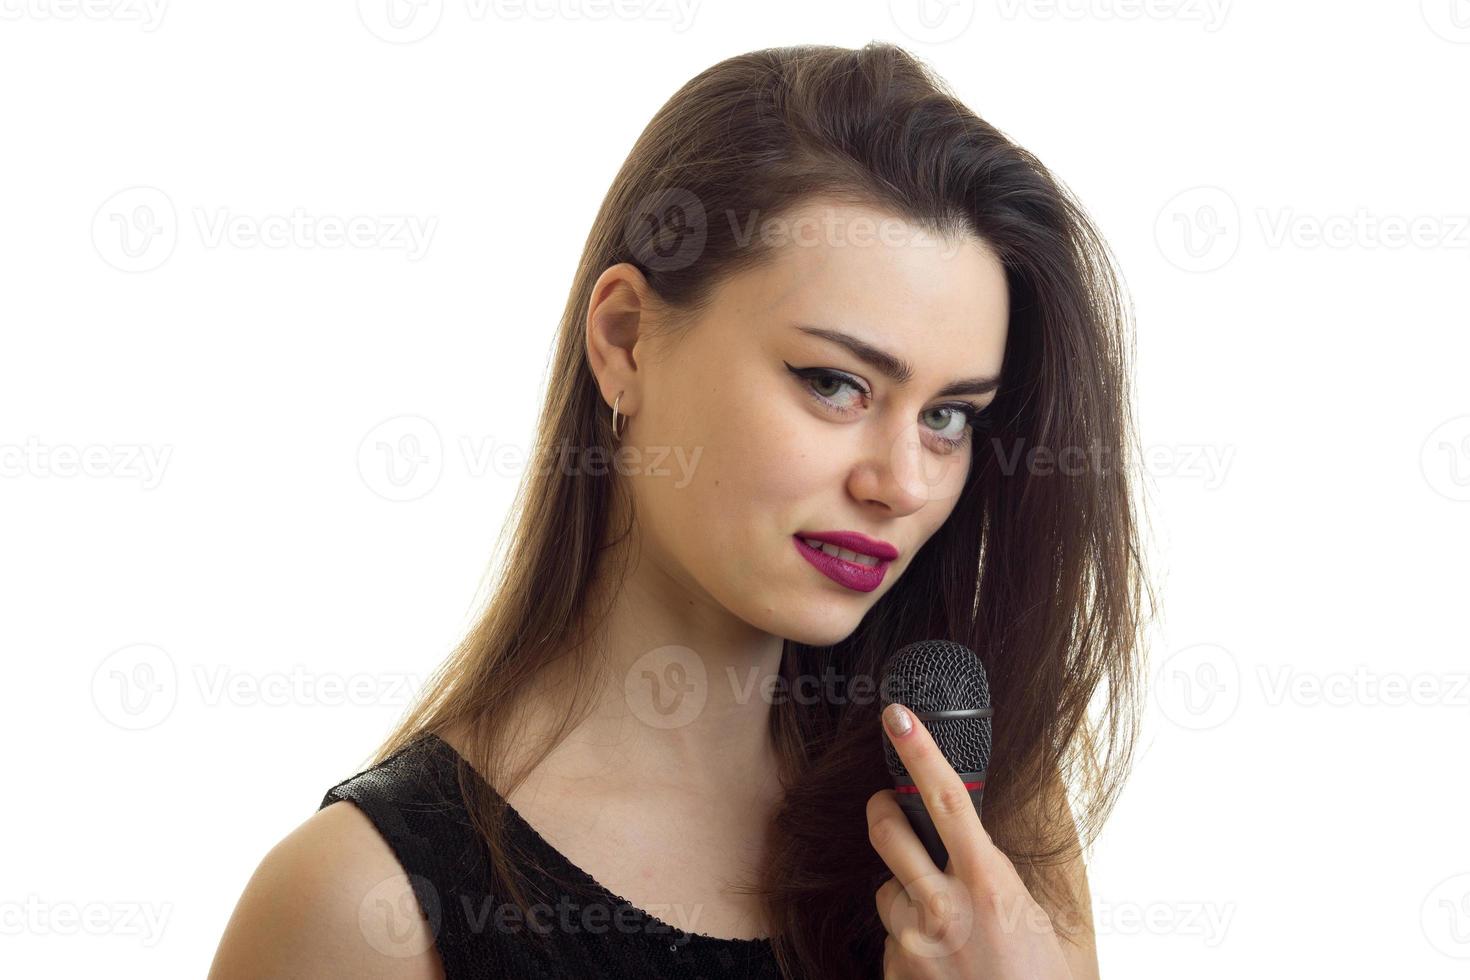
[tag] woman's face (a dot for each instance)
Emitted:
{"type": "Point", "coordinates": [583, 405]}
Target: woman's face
{"type": "Point", "coordinates": [785, 433]}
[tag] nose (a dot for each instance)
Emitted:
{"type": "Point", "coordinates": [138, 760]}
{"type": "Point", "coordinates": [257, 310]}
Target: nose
{"type": "Point", "coordinates": [893, 474]}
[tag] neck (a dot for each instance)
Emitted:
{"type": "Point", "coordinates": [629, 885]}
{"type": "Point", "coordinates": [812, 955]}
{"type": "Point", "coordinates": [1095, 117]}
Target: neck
{"type": "Point", "coordinates": [680, 693]}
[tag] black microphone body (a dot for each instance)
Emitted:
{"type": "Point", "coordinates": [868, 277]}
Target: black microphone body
{"type": "Point", "coordinates": [943, 684]}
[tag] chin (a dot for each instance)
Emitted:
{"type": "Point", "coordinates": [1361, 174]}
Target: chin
{"type": "Point", "coordinates": [819, 617]}
{"type": "Point", "coordinates": [827, 632]}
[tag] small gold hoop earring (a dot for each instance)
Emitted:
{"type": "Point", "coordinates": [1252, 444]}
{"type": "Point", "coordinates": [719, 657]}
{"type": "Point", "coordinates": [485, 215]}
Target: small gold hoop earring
{"type": "Point", "coordinates": [617, 430]}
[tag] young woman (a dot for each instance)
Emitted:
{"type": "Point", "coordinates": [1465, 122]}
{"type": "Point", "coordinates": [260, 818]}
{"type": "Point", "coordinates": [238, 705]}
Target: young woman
{"type": "Point", "coordinates": [843, 368]}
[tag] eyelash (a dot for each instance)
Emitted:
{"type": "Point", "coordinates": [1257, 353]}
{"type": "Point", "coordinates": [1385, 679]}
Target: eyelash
{"type": "Point", "coordinates": [977, 419]}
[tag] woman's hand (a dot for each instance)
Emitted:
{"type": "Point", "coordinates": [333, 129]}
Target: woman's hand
{"type": "Point", "coordinates": [973, 919]}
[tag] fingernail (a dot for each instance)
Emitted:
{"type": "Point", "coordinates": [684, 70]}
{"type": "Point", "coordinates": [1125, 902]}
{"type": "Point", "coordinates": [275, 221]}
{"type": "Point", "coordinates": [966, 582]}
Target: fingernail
{"type": "Point", "coordinates": [897, 719]}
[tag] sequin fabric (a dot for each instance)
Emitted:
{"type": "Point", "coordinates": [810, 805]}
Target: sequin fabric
{"type": "Point", "coordinates": [413, 800]}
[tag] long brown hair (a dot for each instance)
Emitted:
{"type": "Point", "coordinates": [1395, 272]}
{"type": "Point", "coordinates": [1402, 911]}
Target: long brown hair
{"type": "Point", "coordinates": [1038, 569]}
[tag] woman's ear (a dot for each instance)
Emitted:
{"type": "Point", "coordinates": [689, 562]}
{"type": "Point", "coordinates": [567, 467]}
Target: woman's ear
{"type": "Point", "coordinates": [616, 323]}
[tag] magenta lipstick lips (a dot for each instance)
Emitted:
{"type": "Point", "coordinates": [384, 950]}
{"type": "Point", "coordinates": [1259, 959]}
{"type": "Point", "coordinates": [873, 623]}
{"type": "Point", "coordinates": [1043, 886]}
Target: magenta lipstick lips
{"type": "Point", "coordinates": [854, 575]}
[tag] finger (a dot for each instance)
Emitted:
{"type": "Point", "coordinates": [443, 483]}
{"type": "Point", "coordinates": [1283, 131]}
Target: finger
{"type": "Point", "coordinates": [884, 898]}
{"type": "Point", "coordinates": [930, 913]}
{"type": "Point", "coordinates": [894, 839]}
{"type": "Point", "coordinates": [934, 926]}
{"type": "Point", "coordinates": [895, 960]}
{"type": "Point", "coordinates": [944, 794]}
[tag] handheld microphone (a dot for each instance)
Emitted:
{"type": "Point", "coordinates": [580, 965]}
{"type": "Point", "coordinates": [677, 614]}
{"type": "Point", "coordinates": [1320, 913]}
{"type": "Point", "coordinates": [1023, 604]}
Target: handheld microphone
{"type": "Point", "coordinates": [943, 684]}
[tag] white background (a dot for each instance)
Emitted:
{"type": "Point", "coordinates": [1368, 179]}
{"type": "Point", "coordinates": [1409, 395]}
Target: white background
{"type": "Point", "coordinates": [200, 531]}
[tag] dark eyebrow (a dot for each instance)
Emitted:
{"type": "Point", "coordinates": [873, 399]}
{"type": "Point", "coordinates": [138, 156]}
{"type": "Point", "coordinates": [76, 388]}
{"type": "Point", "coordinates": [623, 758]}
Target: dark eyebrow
{"type": "Point", "coordinates": [896, 368]}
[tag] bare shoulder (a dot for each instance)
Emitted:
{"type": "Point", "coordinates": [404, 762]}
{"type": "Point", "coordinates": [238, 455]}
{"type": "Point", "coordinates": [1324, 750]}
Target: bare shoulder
{"type": "Point", "coordinates": [1062, 889]}
{"type": "Point", "coordinates": [1078, 940]}
{"type": "Point", "coordinates": [329, 899]}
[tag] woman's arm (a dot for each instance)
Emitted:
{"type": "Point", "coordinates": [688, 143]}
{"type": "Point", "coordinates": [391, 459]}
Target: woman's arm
{"type": "Point", "coordinates": [329, 900]}
{"type": "Point", "coordinates": [1079, 945]}
{"type": "Point", "coordinates": [1074, 927]}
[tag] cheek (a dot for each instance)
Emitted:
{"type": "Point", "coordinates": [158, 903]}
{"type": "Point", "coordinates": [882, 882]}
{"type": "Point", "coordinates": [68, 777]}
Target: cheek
{"type": "Point", "coordinates": [691, 465]}
{"type": "Point", "coordinates": [759, 470]}
{"type": "Point", "coordinates": [773, 457]}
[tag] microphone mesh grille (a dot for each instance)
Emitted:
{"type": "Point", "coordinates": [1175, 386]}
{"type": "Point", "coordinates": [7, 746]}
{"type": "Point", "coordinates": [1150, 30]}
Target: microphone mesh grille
{"type": "Point", "coordinates": [940, 675]}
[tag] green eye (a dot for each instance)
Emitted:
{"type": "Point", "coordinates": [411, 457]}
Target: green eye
{"type": "Point", "coordinates": [818, 382]}
{"type": "Point", "coordinates": [813, 378]}
{"type": "Point", "coordinates": [837, 383]}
